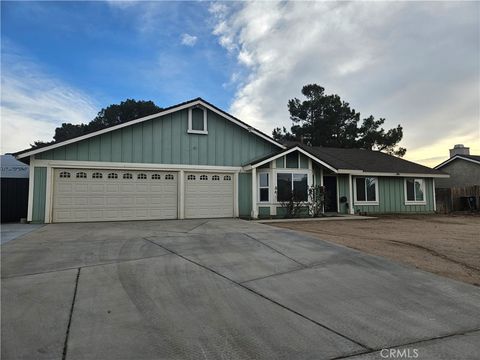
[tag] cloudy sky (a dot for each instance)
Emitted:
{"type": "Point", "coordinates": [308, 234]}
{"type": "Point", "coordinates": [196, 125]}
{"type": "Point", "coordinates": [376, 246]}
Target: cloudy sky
{"type": "Point", "coordinates": [415, 64]}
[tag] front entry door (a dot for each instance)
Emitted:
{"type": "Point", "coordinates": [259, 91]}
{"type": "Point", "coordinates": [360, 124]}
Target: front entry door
{"type": "Point", "coordinates": [330, 183]}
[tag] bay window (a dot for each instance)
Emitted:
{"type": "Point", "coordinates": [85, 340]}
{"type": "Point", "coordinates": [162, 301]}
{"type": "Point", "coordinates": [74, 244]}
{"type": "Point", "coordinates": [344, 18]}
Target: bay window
{"type": "Point", "coordinates": [366, 190]}
{"type": "Point", "coordinates": [415, 191]}
{"type": "Point", "coordinates": [292, 185]}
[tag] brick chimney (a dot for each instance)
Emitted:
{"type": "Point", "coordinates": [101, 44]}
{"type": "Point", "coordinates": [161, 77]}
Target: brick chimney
{"type": "Point", "coordinates": [459, 149]}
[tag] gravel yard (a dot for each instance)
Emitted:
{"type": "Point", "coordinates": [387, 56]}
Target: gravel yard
{"type": "Point", "coordinates": [444, 245]}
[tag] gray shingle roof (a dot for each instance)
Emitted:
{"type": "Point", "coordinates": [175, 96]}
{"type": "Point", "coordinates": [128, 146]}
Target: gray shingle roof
{"type": "Point", "coordinates": [360, 159]}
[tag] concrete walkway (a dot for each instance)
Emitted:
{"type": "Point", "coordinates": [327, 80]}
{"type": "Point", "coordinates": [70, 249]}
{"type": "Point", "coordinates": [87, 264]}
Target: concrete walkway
{"type": "Point", "coordinates": [226, 289]}
{"type": "Point", "coordinates": [12, 231]}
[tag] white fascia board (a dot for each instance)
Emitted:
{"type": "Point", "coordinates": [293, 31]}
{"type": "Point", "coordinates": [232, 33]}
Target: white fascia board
{"type": "Point", "coordinates": [296, 148]}
{"type": "Point", "coordinates": [454, 158]}
{"type": "Point", "coordinates": [146, 118]}
{"type": "Point", "coordinates": [133, 166]}
{"type": "Point", "coordinates": [366, 173]}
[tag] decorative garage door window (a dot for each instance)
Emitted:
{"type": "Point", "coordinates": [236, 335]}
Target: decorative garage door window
{"type": "Point", "coordinates": [141, 176]}
{"type": "Point", "coordinates": [169, 177]}
{"type": "Point", "coordinates": [156, 177]}
{"type": "Point", "coordinates": [215, 177]}
{"type": "Point", "coordinates": [97, 175]}
{"type": "Point", "coordinates": [112, 176]}
{"type": "Point", "coordinates": [81, 175]}
{"type": "Point", "coordinates": [64, 174]}
{"type": "Point", "coordinates": [203, 177]}
{"type": "Point", "coordinates": [227, 178]}
{"type": "Point", "coordinates": [127, 176]}
{"type": "Point", "coordinates": [191, 177]}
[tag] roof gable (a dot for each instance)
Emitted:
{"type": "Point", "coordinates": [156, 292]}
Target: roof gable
{"type": "Point", "coordinates": [471, 158]}
{"type": "Point", "coordinates": [169, 110]}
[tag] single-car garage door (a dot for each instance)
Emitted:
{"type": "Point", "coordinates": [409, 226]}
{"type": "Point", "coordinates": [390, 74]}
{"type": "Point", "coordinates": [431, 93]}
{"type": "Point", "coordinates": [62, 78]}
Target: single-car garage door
{"type": "Point", "coordinates": [110, 195]}
{"type": "Point", "coordinates": [208, 195]}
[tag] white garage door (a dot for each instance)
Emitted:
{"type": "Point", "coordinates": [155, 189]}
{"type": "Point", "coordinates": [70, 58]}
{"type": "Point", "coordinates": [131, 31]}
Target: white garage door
{"type": "Point", "coordinates": [109, 195]}
{"type": "Point", "coordinates": [208, 195]}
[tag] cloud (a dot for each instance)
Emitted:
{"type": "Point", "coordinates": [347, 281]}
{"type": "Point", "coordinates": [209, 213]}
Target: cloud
{"type": "Point", "coordinates": [189, 40]}
{"type": "Point", "coordinates": [34, 103]}
{"type": "Point", "coordinates": [415, 64]}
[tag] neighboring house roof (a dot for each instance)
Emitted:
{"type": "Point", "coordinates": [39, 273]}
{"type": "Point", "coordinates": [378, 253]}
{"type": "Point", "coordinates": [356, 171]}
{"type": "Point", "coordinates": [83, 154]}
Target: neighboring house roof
{"type": "Point", "coordinates": [471, 158]}
{"type": "Point", "coordinates": [357, 161]}
{"type": "Point", "coordinates": [171, 109]}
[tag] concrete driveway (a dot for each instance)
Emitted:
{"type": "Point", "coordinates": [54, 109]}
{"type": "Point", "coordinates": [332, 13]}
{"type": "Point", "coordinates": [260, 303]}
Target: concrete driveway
{"type": "Point", "coordinates": [221, 289]}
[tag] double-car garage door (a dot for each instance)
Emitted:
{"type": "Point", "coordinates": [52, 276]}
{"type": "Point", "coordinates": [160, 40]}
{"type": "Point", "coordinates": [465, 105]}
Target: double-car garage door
{"type": "Point", "coordinates": [112, 195]}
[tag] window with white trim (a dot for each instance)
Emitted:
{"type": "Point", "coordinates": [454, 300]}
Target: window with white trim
{"type": "Point", "coordinates": [215, 177]}
{"type": "Point", "coordinates": [142, 176]}
{"type": "Point", "coordinates": [64, 174]}
{"type": "Point", "coordinates": [112, 176]}
{"type": "Point", "coordinates": [127, 176]}
{"type": "Point", "coordinates": [227, 178]}
{"type": "Point", "coordinates": [191, 177]}
{"type": "Point", "coordinates": [292, 185]}
{"type": "Point", "coordinates": [97, 175]}
{"type": "Point", "coordinates": [263, 187]}
{"type": "Point", "coordinates": [197, 120]}
{"type": "Point", "coordinates": [81, 175]}
{"type": "Point", "coordinates": [366, 190]}
{"type": "Point", "coordinates": [203, 177]}
{"type": "Point", "coordinates": [156, 177]}
{"type": "Point", "coordinates": [169, 177]}
{"type": "Point", "coordinates": [415, 191]}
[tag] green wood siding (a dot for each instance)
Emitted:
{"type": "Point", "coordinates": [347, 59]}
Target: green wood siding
{"type": "Point", "coordinates": [39, 191]}
{"type": "Point", "coordinates": [264, 211]}
{"type": "Point", "coordinates": [391, 195]}
{"type": "Point", "coordinates": [165, 140]}
{"type": "Point", "coordinates": [245, 194]}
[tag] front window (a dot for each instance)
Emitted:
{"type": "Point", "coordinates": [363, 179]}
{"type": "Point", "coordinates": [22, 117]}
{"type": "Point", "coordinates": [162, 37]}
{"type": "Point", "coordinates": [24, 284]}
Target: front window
{"type": "Point", "coordinates": [263, 182]}
{"type": "Point", "coordinates": [366, 189]}
{"type": "Point", "coordinates": [292, 185]}
{"type": "Point", "coordinates": [415, 190]}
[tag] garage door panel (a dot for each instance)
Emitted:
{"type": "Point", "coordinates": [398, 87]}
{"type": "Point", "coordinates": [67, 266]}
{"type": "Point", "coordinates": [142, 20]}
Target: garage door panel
{"type": "Point", "coordinates": [208, 195]}
{"type": "Point", "coordinates": [122, 195]}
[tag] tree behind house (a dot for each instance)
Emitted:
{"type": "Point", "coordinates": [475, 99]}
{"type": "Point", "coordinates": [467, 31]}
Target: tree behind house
{"type": "Point", "coordinates": [114, 114]}
{"type": "Point", "coordinates": [326, 120]}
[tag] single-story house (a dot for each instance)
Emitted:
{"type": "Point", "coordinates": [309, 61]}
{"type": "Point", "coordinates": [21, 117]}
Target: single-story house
{"type": "Point", "coordinates": [463, 168]}
{"type": "Point", "coordinates": [461, 191]}
{"type": "Point", "coordinates": [193, 160]}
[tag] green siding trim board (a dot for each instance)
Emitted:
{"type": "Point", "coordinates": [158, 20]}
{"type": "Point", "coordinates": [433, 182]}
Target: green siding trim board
{"type": "Point", "coordinates": [39, 192]}
{"type": "Point", "coordinates": [245, 194]}
{"type": "Point", "coordinates": [165, 140]}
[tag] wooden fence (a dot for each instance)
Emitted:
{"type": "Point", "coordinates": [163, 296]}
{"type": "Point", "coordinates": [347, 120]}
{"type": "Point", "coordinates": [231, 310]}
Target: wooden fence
{"type": "Point", "coordinates": [454, 199]}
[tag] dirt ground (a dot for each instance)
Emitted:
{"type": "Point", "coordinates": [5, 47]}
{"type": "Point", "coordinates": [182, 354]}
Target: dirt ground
{"type": "Point", "coordinates": [444, 245]}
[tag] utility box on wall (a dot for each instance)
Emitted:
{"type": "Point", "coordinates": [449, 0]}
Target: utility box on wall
{"type": "Point", "coordinates": [14, 182]}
